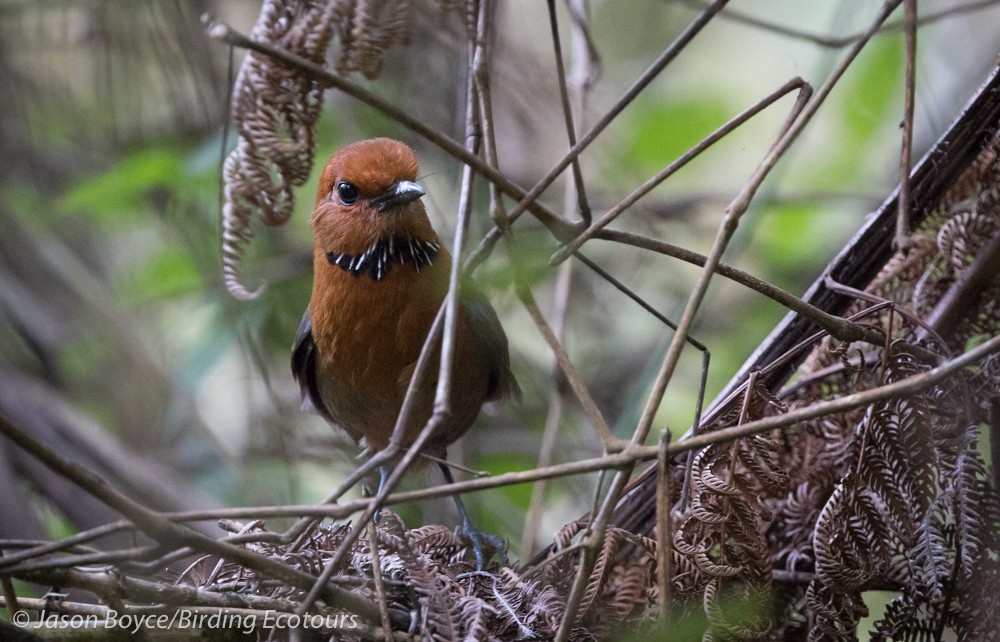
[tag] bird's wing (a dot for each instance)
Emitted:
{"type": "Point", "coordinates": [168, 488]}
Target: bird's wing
{"type": "Point", "coordinates": [304, 369]}
{"type": "Point", "coordinates": [485, 325]}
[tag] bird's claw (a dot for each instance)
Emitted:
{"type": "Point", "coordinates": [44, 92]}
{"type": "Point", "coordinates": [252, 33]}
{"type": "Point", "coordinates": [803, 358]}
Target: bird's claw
{"type": "Point", "coordinates": [480, 540]}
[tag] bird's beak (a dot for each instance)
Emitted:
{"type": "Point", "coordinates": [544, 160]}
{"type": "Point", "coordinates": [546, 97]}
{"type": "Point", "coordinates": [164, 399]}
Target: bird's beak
{"type": "Point", "coordinates": [398, 195]}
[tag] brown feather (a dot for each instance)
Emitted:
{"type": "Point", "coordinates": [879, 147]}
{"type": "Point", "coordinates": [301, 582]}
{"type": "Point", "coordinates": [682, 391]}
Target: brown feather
{"type": "Point", "coordinates": [368, 332]}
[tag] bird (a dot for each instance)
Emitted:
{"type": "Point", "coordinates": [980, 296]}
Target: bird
{"type": "Point", "coordinates": [381, 273]}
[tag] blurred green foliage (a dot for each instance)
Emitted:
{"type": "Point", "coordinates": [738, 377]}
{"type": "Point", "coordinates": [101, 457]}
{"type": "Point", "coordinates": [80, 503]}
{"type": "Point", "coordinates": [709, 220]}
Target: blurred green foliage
{"type": "Point", "coordinates": [663, 128]}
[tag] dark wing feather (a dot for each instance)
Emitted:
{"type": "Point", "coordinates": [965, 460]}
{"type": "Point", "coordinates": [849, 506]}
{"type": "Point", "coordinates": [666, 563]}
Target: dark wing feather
{"type": "Point", "coordinates": [304, 369]}
{"type": "Point", "coordinates": [486, 327]}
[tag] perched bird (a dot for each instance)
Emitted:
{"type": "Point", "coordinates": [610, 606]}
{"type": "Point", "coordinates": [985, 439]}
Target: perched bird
{"type": "Point", "coordinates": [381, 274]}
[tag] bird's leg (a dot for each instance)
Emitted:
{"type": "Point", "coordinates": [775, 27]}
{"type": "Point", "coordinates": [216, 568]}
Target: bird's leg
{"type": "Point", "coordinates": [476, 537]}
{"type": "Point", "coordinates": [383, 476]}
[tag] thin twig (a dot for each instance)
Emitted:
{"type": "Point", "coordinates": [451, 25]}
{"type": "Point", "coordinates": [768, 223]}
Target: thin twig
{"type": "Point", "coordinates": [580, 189]}
{"type": "Point", "coordinates": [380, 598]}
{"type": "Point", "coordinates": [553, 418]}
{"type": "Point", "coordinates": [839, 42]}
{"type": "Point", "coordinates": [838, 327]}
{"type": "Point", "coordinates": [792, 129]}
{"type": "Point", "coordinates": [72, 542]}
{"type": "Point", "coordinates": [664, 530]}
{"type": "Point", "coordinates": [727, 228]}
{"type": "Point", "coordinates": [903, 240]}
{"type": "Point", "coordinates": [574, 92]}
{"type": "Point", "coordinates": [593, 543]}
{"type": "Point", "coordinates": [881, 302]}
{"type": "Point", "coordinates": [101, 558]}
{"type": "Point", "coordinates": [706, 357]}
{"type": "Point", "coordinates": [484, 101]}
{"type": "Point", "coordinates": [608, 441]}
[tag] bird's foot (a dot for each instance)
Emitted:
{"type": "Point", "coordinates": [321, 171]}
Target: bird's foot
{"type": "Point", "coordinates": [479, 539]}
{"type": "Point", "coordinates": [483, 543]}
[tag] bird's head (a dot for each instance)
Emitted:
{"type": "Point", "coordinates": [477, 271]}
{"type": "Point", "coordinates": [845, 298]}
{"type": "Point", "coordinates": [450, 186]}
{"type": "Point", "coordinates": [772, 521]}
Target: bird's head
{"type": "Point", "coordinates": [367, 194]}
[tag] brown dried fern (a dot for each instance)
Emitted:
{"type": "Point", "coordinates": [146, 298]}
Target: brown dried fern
{"type": "Point", "coordinates": [275, 108]}
{"type": "Point", "coordinates": [274, 111]}
{"type": "Point", "coordinates": [886, 509]}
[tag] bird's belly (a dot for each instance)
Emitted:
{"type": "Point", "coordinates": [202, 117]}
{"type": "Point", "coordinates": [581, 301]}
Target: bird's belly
{"type": "Point", "coordinates": [363, 399]}
{"type": "Point", "coordinates": [366, 360]}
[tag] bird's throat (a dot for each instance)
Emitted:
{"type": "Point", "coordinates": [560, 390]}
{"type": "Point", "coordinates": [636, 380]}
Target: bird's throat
{"type": "Point", "coordinates": [385, 254]}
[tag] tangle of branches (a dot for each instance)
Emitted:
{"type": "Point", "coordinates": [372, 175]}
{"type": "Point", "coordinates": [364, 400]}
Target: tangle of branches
{"type": "Point", "coordinates": [797, 522]}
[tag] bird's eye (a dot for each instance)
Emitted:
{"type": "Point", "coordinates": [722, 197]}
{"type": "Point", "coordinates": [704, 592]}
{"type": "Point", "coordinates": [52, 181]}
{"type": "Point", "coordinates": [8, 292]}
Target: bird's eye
{"type": "Point", "coordinates": [347, 193]}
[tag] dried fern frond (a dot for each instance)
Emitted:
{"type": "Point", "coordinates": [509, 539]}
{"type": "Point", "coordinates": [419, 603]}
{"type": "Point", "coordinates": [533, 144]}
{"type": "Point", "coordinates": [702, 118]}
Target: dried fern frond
{"type": "Point", "coordinates": [366, 29]}
{"type": "Point", "coordinates": [275, 108]}
{"type": "Point", "coordinates": [274, 111]}
{"type": "Point", "coordinates": [888, 505]}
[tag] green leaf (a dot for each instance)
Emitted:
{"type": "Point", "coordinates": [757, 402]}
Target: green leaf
{"type": "Point", "coordinates": [780, 232]}
{"type": "Point", "coordinates": [168, 273]}
{"type": "Point", "coordinates": [869, 108]}
{"type": "Point", "coordinates": [871, 91]}
{"type": "Point", "coordinates": [662, 130]}
{"type": "Point", "coordinates": [122, 192]}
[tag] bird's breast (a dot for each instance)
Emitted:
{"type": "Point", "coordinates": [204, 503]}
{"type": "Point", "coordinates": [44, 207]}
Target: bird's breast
{"type": "Point", "coordinates": [368, 334]}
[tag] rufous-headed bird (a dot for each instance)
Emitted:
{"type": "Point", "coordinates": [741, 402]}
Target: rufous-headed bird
{"type": "Point", "coordinates": [381, 274]}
